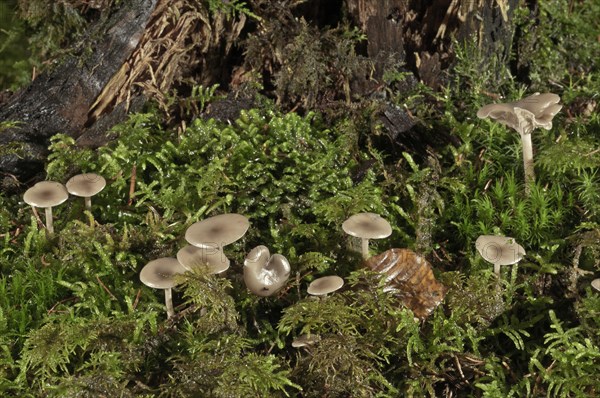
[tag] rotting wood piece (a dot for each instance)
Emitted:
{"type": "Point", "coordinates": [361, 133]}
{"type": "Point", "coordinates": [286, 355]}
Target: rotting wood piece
{"type": "Point", "coordinates": [58, 101]}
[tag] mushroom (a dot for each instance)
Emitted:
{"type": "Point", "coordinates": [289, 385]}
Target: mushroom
{"type": "Point", "coordinates": [160, 274]}
{"type": "Point", "coordinates": [524, 116]}
{"type": "Point", "coordinates": [217, 231]}
{"type": "Point", "coordinates": [499, 250]}
{"type": "Point", "coordinates": [596, 284]}
{"type": "Point", "coordinates": [193, 257]}
{"type": "Point", "coordinates": [325, 285]}
{"type": "Point", "coordinates": [264, 274]}
{"type": "Point", "coordinates": [367, 226]}
{"type": "Point", "coordinates": [306, 340]}
{"type": "Point", "coordinates": [85, 186]}
{"type": "Point", "coordinates": [46, 194]}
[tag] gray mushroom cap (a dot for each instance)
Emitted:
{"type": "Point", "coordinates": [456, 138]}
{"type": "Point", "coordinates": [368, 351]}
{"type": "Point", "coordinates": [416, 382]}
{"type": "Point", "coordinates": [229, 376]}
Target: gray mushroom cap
{"type": "Point", "coordinates": [217, 231]}
{"type": "Point", "coordinates": [193, 257]}
{"type": "Point", "coordinates": [160, 273]}
{"type": "Point", "coordinates": [86, 185]}
{"type": "Point", "coordinates": [367, 226]}
{"type": "Point", "coordinates": [264, 274]}
{"type": "Point", "coordinates": [46, 194]}
{"type": "Point", "coordinates": [524, 115]}
{"type": "Point", "coordinates": [596, 284]}
{"type": "Point", "coordinates": [306, 340]}
{"type": "Point", "coordinates": [499, 250]}
{"type": "Point", "coordinates": [325, 285]}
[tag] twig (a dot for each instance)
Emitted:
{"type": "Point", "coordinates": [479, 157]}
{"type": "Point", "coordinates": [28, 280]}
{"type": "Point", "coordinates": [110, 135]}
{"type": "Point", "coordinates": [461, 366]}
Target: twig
{"type": "Point", "coordinates": [37, 217]}
{"type": "Point", "coordinates": [132, 185]}
{"type": "Point", "coordinates": [51, 310]}
{"type": "Point", "coordinates": [105, 288]}
{"type": "Point", "coordinates": [43, 260]}
{"type": "Point", "coordinates": [137, 299]}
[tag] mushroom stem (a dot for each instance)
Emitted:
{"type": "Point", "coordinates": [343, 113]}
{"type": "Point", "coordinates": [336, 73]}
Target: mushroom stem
{"type": "Point", "coordinates": [169, 302]}
{"type": "Point", "coordinates": [365, 248]}
{"type": "Point", "coordinates": [528, 160]}
{"type": "Point", "coordinates": [497, 269]}
{"type": "Point", "coordinates": [49, 223]}
{"type": "Point", "coordinates": [88, 203]}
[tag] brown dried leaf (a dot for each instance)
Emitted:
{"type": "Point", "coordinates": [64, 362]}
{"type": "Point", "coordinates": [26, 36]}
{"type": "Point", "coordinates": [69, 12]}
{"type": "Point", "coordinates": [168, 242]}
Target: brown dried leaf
{"type": "Point", "coordinates": [410, 276]}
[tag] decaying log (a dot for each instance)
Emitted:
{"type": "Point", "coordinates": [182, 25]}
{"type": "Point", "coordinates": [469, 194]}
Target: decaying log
{"type": "Point", "coordinates": [59, 101]}
{"type": "Point", "coordinates": [142, 51]}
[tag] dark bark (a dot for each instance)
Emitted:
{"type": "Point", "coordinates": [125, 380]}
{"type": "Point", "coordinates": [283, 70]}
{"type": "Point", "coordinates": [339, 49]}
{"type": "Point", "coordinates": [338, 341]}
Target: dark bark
{"type": "Point", "coordinates": [59, 101]}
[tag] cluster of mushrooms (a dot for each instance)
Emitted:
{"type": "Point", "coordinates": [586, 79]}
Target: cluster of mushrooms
{"type": "Point", "coordinates": [47, 194]}
{"type": "Point", "coordinates": [264, 273]}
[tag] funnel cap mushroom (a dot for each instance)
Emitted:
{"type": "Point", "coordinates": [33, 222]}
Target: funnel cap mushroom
{"type": "Point", "coordinates": [160, 273]}
{"type": "Point", "coordinates": [193, 257]}
{"type": "Point", "coordinates": [499, 250]}
{"type": "Point", "coordinates": [524, 115]}
{"type": "Point", "coordinates": [86, 185]}
{"type": "Point", "coordinates": [46, 194]}
{"type": "Point", "coordinates": [325, 285]}
{"type": "Point", "coordinates": [217, 231]}
{"type": "Point", "coordinates": [367, 226]}
{"type": "Point", "coordinates": [264, 274]}
{"type": "Point", "coordinates": [596, 284]}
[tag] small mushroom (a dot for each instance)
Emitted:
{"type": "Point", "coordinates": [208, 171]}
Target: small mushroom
{"type": "Point", "coordinates": [85, 186]}
{"type": "Point", "coordinates": [596, 284]}
{"type": "Point", "coordinates": [46, 194]}
{"type": "Point", "coordinates": [217, 231]}
{"type": "Point", "coordinates": [264, 274]}
{"type": "Point", "coordinates": [524, 116]}
{"type": "Point", "coordinates": [499, 250]}
{"type": "Point", "coordinates": [367, 226]}
{"type": "Point", "coordinates": [306, 340]}
{"type": "Point", "coordinates": [160, 274]}
{"type": "Point", "coordinates": [325, 285]}
{"type": "Point", "coordinates": [193, 257]}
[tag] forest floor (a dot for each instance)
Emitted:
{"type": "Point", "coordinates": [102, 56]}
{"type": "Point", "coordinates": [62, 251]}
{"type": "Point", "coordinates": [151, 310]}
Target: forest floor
{"type": "Point", "coordinates": [76, 321]}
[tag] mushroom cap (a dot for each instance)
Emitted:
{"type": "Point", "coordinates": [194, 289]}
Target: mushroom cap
{"type": "Point", "coordinates": [367, 226]}
{"type": "Point", "coordinates": [499, 250]}
{"type": "Point", "coordinates": [264, 275]}
{"type": "Point", "coordinates": [524, 115]}
{"type": "Point", "coordinates": [325, 285]}
{"type": "Point", "coordinates": [596, 284]}
{"type": "Point", "coordinates": [46, 194]}
{"type": "Point", "coordinates": [192, 257]}
{"type": "Point", "coordinates": [305, 340]}
{"type": "Point", "coordinates": [546, 104]}
{"type": "Point", "coordinates": [160, 273]}
{"type": "Point", "coordinates": [86, 185]}
{"type": "Point", "coordinates": [217, 231]}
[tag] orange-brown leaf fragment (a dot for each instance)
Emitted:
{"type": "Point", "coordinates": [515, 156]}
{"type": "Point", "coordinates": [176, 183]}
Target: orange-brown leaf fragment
{"type": "Point", "coordinates": [410, 276]}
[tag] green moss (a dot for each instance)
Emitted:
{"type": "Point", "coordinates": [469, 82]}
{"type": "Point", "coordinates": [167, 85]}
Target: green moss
{"type": "Point", "coordinates": [76, 321]}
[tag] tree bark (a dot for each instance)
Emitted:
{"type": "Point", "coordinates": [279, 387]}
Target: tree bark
{"type": "Point", "coordinates": [59, 101]}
